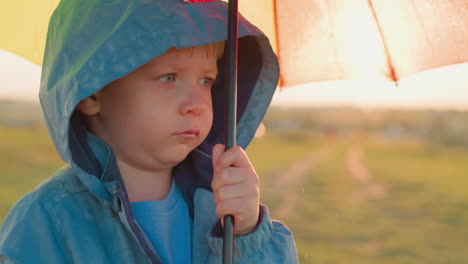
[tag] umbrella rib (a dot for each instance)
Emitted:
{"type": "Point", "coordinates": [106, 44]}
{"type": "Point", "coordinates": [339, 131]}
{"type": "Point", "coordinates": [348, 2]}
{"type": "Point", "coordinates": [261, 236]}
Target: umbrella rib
{"type": "Point", "coordinates": [277, 40]}
{"type": "Point", "coordinates": [335, 50]}
{"type": "Point", "coordinates": [390, 66]}
{"type": "Point", "coordinates": [419, 18]}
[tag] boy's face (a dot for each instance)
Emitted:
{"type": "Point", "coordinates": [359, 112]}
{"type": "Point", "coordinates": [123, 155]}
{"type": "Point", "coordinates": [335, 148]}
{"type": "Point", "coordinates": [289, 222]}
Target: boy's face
{"type": "Point", "coordinates": [153, 117]}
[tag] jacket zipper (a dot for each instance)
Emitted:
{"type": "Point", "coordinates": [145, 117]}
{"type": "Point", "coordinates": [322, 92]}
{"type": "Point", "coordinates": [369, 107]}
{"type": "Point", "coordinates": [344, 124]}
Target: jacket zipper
{"type": "Point", "coordinates": [149, 251]}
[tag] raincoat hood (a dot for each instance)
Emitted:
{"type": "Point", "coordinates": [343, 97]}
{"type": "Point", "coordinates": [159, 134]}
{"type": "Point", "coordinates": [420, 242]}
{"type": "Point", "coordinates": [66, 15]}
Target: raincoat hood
{"type": "Point", "coordinates": [92, 43]}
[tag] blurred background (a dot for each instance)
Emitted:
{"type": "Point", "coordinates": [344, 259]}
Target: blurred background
{"type": "Point", "coordinates": [355, 184]}
{"type": "Point", "coordinates": [363, 169]}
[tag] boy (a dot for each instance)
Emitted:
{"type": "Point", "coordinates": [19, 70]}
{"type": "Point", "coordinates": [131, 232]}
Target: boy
{"type": "Point", "coordinates": [133, 99]}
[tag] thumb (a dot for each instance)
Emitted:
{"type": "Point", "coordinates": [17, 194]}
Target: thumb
{"type": "Point", "coordinates": [218, 150]}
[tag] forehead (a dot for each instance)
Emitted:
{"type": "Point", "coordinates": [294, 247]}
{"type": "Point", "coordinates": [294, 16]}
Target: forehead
{"type": "Point", "coordinates": [203, 57]}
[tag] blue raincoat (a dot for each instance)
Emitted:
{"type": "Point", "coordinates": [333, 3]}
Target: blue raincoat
{"type": "Point", "coordinates": [82, 214]}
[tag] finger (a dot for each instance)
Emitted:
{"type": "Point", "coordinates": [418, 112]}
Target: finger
{"type": "Point", "coordinates": [231, 192]}
{"type": "Point", "coordinates": [231, 175]}
{"type": "Point", "coordinates": [234, 157]}
{"type": "Point", "coordinates": [217, 151]}
{"type": "Point", "coordinates": [229, 207]}
{"type": "Point", "coordinates": [244, 219]}
{"type": "Point", "coordinates": [236, 206]}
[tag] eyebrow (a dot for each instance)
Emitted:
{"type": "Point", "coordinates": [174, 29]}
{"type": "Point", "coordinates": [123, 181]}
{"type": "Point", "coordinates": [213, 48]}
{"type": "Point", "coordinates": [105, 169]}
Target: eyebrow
{"type": "Point", "coordinates": [179, 66]}
{"type": "Point", "coordinates": [208, 71]}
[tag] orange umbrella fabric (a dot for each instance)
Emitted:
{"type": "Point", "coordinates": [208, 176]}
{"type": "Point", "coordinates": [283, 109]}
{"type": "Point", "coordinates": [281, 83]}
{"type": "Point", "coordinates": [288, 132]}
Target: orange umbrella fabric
{"type": "Point", "coordinates": [319, 40]}
{"type": "Point", "coordinates": [316, 40]}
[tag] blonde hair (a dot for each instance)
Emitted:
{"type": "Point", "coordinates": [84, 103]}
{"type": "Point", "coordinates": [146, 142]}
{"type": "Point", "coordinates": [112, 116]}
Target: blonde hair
{"type": "Point", "coordinates": [216, 49]}
{"type": "Point", "coordinates": [219, 49]}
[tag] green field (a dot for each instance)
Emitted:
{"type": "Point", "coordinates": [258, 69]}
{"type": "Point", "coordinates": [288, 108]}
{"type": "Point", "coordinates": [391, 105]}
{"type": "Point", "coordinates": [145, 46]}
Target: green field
{"type": "Point", "coordinates": [421, 218]}
{"type": "Point", "coordinates": [27, 157]}
{"type": "Point", "coordinates": [411, 208]}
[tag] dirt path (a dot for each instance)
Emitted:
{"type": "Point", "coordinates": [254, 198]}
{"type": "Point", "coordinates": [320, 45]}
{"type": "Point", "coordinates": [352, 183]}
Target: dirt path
{"type": "Point", "coordinates": [290, 180]}
{"type": "Point", "coordinates": [369, 187]}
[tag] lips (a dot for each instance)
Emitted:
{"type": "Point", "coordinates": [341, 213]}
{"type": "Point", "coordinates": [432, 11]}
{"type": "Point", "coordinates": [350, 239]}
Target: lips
{"type": "Point", "coordinates": [191, 133]}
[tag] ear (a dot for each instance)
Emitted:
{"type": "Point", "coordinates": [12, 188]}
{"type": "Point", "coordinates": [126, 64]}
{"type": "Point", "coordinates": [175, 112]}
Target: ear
{"type": "Point", "coordinates": [89, 106]}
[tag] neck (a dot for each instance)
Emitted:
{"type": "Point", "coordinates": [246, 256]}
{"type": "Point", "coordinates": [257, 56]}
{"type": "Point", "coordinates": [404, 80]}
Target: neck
{"type": "Point", "coordinates": [145, 185]}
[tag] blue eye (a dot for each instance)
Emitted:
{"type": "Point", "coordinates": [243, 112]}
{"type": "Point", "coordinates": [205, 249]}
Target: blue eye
{"type": "Point", "coordinates": [167, 78]}
{"type": "Point", "coordinates": [206, 81]}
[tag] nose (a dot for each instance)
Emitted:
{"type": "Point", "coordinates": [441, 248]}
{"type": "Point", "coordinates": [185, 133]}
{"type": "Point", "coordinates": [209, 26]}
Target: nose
{"type": "Point", "coordinates": [194, 102]}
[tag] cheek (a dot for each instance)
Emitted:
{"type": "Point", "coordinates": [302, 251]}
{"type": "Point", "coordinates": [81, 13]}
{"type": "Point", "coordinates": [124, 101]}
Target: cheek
{"type": "Point", "coordinates": [209, 116]}
{"type": "Point", "coordinates": [209, 120]}
{"type": "Point", "coordinates": [209, 108]}
{"type": "Point", "coordinates": [122, 116]}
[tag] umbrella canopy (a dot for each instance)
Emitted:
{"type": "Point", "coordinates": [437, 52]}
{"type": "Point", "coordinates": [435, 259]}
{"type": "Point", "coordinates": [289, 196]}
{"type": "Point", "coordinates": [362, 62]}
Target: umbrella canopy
{"type": "Point", "coordinates": [316, 40]}
{"type": "Point", "coordinates": [23, 27]}
{"type": "Point", "coordinates": [319, 40]}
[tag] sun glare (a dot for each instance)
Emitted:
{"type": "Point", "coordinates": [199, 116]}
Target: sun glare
{"type": "Point", "coordinates": [444, 87]}
{"type": "Point", "coordinates": [361, 47]}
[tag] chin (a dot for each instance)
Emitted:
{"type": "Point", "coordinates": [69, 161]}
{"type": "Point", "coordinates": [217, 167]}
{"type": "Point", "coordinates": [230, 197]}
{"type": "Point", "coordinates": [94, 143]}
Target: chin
{"type": "Point", "coordinates": [179, 155]}
{"type": "Point", "coordinates": [175, 155]}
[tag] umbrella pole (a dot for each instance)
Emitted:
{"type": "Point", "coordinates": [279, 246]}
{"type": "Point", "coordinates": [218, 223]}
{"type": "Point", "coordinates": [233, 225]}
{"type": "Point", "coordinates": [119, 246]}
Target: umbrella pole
{"type": "Point", "coordinates": [231, 116]}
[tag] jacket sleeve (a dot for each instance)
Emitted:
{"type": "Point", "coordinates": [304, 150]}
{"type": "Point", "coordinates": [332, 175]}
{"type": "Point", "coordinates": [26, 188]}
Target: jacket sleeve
{"type": "Point", "coordinates": [271, 242]}
{"type": "Point", "coordinates": [28, 235]}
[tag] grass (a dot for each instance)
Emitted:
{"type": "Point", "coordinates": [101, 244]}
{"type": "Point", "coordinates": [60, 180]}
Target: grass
{"type": "Point", "coordinates": [276, 151]}
{"type": "Point", "coordinates": [429, 204]}
{"type": "Point", "coordinates": [272, 153]}
{"type": "Point", "coordinates": [27, 157]}
{"type": "Point", "coordinates": [423, 218]}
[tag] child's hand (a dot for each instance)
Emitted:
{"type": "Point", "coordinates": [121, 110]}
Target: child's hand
{"type": "Point", "coordinates": [236, 188]}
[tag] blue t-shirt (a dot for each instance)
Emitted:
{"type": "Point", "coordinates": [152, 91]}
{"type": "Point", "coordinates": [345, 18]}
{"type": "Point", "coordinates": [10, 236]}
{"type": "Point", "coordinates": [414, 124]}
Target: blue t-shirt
{"type": "Point", "coordinates": [167, 225]}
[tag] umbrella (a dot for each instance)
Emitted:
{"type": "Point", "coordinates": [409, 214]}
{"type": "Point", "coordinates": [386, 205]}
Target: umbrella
{"type": "Point", "coordinates": [319, 40]}
{"type": "Point", "coordinates": [316, 40]}
{"type": "Point", "coordinates": [23, 27]}
{"type": "Point", "coordinates": [231, 115]}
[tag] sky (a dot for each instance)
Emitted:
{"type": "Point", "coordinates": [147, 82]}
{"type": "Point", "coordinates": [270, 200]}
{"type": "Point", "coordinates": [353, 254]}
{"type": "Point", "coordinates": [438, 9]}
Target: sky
{"type": "Point", "coordinates": [445, 88]}
{"type": "Point", "coordinates": [442, 88]}
{"type": "Point", "coordinates": [19, 78]}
